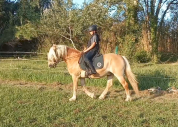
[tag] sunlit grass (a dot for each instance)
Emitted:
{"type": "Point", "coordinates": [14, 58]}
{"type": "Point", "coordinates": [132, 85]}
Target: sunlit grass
{"type": "Point", "coordinates": [153, 75]}
{"type": "Point", "coordinates": [148, 75]}
{"type": "Point", "coordinates": [31, 106]}
{"type": "Point", "coordinates": [45, 106]}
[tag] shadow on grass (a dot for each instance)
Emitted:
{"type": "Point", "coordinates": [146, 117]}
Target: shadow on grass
{"type": "Point", "coordinates": [154, 80]}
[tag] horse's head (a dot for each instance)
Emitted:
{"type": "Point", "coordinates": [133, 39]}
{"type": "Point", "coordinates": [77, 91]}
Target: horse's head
{"type": "Point", "coordinates": [55, 53]}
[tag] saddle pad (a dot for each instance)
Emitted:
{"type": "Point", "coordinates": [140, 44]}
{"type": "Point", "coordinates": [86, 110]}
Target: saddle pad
{"type": "Point", "coordinates": [98, 62]}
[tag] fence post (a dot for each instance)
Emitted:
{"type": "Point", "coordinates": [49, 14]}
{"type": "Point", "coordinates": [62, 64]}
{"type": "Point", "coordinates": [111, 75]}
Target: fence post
{"type": "Point", "coordinates": [116, 49]}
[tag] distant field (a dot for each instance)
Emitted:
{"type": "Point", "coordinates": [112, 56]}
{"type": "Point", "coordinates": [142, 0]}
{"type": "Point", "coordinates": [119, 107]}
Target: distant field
{"type": "Point", "coordinates": [32, 95]}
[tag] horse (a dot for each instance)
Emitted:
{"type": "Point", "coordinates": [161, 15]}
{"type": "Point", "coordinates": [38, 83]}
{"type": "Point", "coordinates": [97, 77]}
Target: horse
{"type": "Point", "coordinates": [114, 65]}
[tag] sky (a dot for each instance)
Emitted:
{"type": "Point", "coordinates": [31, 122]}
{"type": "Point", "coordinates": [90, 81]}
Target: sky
{"type": "Point", "coordinates": [78, 1]}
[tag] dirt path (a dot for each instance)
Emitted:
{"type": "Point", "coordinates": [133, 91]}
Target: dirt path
{"type": "Point", "coordinates": [160, 96]}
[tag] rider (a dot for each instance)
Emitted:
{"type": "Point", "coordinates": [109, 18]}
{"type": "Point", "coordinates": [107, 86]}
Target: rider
{"type": "Point", "coordinates": [92, 48]}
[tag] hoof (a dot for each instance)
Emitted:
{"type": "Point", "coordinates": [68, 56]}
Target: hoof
{"type": "Point", "coordinates": [72, 99]}
{"type": "Point", "coordinates": [128, 99]}
{"type": "Point", "coordinates": [92, 95]}
{"type": "Point", "coordinates": [101, 97]}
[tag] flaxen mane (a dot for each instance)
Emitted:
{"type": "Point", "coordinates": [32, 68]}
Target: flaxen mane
{"type": "Point", "coordinates": [63, 50]}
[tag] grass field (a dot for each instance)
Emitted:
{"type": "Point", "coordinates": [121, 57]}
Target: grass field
{"type": "Point", "coordinates": [31, 95]}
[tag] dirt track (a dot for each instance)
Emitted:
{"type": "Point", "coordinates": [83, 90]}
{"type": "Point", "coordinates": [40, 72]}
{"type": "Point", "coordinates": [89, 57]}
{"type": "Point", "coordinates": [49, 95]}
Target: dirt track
{"type": "Point", "coordinates": [160, 97]}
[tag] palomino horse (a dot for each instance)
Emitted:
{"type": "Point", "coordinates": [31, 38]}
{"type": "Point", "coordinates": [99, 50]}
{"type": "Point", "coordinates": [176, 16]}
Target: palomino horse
{"type": "Point", "coordinates": [114, 65]}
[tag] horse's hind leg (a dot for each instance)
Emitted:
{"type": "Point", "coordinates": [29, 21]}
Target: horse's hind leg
{"type": "Point", "coordinates": [85, 89]}
{"type": "Point", "coordinates": [126, 87]}
{"type": "Point", "coordinates": [109, 84]}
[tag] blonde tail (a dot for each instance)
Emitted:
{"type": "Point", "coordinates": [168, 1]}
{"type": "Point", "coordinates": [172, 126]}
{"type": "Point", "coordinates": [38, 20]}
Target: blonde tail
{"type": "Point", "coordinates": [131, 77]}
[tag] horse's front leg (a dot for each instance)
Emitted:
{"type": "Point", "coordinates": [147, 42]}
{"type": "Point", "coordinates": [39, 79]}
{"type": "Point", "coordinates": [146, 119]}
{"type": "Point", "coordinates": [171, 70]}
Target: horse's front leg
{"type": "Point", "coordinates": [85, 89]}
{"type": "Point", "coordinates": [75, 83]}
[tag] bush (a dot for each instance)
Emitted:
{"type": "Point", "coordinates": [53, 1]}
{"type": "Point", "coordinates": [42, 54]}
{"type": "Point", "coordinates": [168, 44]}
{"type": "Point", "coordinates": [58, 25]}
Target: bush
{"type": "Point", "coordinates": [142, 57]}
{"type": "Point", "coordinates": [168, 57]}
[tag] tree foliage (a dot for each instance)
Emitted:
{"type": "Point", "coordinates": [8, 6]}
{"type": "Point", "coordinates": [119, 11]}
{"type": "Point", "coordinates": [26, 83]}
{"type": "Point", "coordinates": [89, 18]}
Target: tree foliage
{"type": "Point", "coordinates": [134, 26]}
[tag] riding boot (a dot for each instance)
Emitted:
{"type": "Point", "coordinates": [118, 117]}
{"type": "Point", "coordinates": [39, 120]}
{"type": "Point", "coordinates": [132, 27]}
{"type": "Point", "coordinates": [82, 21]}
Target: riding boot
{"type": "Point", "coordinates": [93, 71]}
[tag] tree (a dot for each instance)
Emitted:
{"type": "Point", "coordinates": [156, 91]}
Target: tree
{"type": "Point", "coordinates": [7, 22]}
{"type": "Point", "coordinates": [28, 15]}
{"type": "Point", "coordinates": [154, 12]}
{"type": "Point", "coordinates": [124, 23]}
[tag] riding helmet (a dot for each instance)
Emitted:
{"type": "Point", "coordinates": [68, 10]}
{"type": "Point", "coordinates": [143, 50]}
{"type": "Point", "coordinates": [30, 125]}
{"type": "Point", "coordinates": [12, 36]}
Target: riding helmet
{"type": "Point", "coordinates": [92, 28]}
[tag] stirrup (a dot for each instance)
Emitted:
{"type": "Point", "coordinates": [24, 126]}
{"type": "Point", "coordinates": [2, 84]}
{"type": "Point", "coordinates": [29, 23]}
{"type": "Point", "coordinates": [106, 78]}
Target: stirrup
{"type": "Point", "coordinates": [88, 73]}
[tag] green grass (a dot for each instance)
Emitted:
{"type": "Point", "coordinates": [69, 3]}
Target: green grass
{"type": "Point", "coordinates": [152, 75]}
{"type": "Point", "coordinates": [42, 99]}
{"type": "Point", "coordinates": [149, 75]}
{"type": "Point", "coordinates": [38, 71]}
{"type": "Point", "coordinates": [35, 107]}
{"type": "Point", "coordinates": [33, 71]}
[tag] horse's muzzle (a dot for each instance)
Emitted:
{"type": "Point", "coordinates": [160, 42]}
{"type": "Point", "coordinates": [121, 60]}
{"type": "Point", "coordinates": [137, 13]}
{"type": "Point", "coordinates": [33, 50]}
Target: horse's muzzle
{"type": "Point", "coordinates": [52, 65]}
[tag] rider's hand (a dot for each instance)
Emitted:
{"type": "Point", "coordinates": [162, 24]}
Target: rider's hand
{"type": "Point", "coordinates": [82, 52]}
{"type": "Point", "coordinates": [84, 48]}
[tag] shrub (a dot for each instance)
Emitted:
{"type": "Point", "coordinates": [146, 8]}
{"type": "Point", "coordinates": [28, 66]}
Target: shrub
{"type": "Point", "coordinates": [168, 57]}
{"type": "Point", "coordinates": [142, 57]}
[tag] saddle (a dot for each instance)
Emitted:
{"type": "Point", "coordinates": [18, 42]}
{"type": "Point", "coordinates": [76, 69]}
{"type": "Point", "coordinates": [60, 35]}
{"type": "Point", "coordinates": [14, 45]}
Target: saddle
{"type": "Point", "coordinates": [97, 61]}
